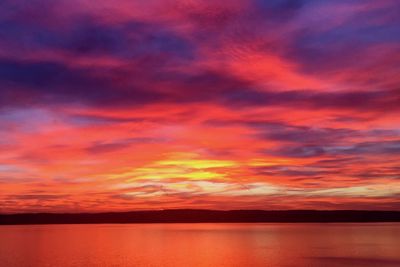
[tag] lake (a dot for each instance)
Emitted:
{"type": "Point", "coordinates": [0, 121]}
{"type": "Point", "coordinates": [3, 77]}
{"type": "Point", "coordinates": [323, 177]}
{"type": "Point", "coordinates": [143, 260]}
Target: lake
{"type": "Point", "coordinates": [203, 244]}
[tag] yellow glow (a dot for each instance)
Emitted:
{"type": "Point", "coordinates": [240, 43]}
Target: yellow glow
{"type": "Point", "coordinates": [197, 163]}
{"type": "Point", "coordinates": [178, 165]}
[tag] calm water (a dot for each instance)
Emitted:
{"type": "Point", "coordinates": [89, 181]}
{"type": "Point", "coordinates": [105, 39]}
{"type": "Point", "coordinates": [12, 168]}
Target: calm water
{"type": "Point", "coordinates": [190, 245]}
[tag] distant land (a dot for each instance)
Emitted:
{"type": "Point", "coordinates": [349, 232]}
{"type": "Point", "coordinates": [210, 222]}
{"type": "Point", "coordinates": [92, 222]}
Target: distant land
{"type": "Point", "coordinates": [203, 216]}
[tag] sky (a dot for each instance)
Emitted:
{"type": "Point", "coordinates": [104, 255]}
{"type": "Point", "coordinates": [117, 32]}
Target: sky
{"type": "Point", "coordinates": [158, 104]}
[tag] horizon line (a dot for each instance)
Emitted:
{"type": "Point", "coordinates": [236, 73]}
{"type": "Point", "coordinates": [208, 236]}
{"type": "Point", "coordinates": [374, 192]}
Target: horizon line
{"type": "Point", "coordinates": [203, 216]}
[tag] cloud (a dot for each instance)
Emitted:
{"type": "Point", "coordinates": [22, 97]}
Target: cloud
{"type": "Point", "coordinates": [372, 148]}
{"type": "Point", "coordinates": [49, 82]}
{"type": "Point", "coordinates": [40, 197]}
{"type": "Point", "coordinates": [115, 145]}
{"type": "Point", "coordinates": [208, 104]}
{"type": "Point", "coordinates": [382, 148]}
{"type": "Point", "coordinates": [357, 100]}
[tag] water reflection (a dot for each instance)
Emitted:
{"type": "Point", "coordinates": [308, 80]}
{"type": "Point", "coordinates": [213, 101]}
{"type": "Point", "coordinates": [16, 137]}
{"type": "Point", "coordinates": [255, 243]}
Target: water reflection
{"type": "Point", "coordinates": [280, 245]}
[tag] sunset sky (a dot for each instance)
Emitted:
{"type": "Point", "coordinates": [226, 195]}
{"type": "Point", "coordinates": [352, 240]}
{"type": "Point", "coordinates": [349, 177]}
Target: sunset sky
{"type": "Point", "coordinates": [240, 104]}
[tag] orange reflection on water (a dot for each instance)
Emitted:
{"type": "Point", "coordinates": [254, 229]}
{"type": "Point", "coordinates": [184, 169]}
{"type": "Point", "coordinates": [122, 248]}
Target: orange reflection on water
{"type": "Point", "coordinates": [200, 245]}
